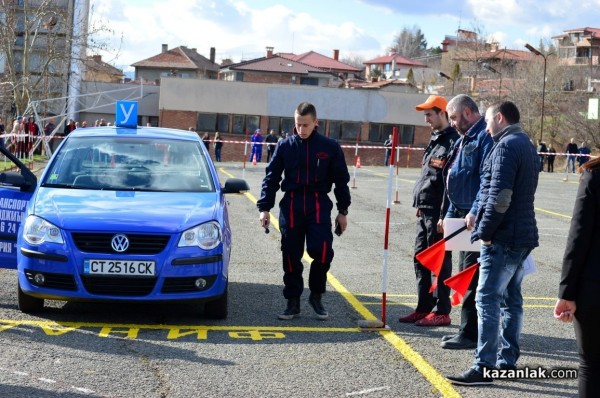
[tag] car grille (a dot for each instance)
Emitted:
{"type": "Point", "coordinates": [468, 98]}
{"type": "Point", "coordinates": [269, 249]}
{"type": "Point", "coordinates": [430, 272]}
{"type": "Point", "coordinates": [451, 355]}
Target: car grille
{"type": "Point", "coordinates": [117, 286]}
{"type": "Point", "coordinates": [185, 285]}
{"type": "Point", "coordinates": [53, 281]}
{"type": "Point", "coordinates": [138, 243]}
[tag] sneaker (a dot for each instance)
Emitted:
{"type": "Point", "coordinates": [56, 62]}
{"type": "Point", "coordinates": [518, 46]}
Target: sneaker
{"type": "Point", "coordinates": [315, 302]}
{"type": "Point", "coordinates": [470, 378]}
{"type": "Point", "coordinates": [292, 310]}
{"type": "Point", "coordinates": [459, 342]}
{"type": "Point", "coordinates": [448, 337]}
{"type": "Point", "coordinates": [434, 319]}
{"type": "Point", "coordinates": [413, 317]}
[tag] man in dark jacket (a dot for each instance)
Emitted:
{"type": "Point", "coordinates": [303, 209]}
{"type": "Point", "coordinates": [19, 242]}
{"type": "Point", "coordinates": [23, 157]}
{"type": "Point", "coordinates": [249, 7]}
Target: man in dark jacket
{"type": "Point", "coordinates": [428, 193]}
{"type": "Point", "coordinates": [462, 185]}
{"type": "Point", "coordinates": [505, 224]}
{"type": "Point", "coordinates": [271, 141]}
{"type": "Point", "coordinates": [311, 163]}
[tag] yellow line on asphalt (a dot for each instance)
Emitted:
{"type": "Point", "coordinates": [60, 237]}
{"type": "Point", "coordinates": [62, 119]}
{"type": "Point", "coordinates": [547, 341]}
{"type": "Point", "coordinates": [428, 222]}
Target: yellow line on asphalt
{"type": "Point", "coordinates": [553, 213]}
{"type": "Point", "coordinates": [429, 372]}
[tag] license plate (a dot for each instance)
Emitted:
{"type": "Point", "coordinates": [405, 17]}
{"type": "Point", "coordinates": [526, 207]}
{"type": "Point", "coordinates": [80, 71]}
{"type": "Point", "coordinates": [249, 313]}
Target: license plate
{"type": "Point", "coordinates": [119, 267]}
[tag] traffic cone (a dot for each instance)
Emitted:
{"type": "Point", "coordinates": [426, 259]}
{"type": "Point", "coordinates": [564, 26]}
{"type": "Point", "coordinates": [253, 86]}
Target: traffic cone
{"type": "Point", "coordinates": [358, 162]}
{"type": "Point", "coordinates": [254, 159]}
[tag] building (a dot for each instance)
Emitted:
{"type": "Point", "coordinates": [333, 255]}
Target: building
{"type": "Point", "coordinates": [180, 62]}
{"type": "Point", "coordinates": [43, 52]}
{"type": "Point", "coordinates": [310, 68]}
{"type": "Point", "coordinates": [391, 66]}
{"type": "Point", "coordinates": [97, 70]}
{"type": "Point", "coordinates": [580, 48]}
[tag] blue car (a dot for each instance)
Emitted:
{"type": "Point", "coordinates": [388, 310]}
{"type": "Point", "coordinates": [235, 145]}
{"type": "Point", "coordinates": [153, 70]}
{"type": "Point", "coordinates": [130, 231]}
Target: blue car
{"type": "Point", "coordinates": [119, 214]}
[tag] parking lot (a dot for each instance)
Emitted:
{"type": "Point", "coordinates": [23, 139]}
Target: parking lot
{"type": "Point", "coordinates": [107, 350]}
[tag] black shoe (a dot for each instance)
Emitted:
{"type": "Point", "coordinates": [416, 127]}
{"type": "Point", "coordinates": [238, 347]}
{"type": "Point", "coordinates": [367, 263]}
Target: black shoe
{"type": "Point", "coordinates": [315, 302]}
{"type": "Point", "coordinates": [470, 378]}
{"type": "Point", "coordinates": [292, 310]}
{"type": "Point", "coordinates": [459, 342]}
{"type": "Point", "coordinates": [449, 337]}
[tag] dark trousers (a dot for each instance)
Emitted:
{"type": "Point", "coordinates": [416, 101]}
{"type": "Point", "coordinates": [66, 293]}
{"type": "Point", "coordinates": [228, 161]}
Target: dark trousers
{"type": "Point", "coordinates": [427, 235]}
{"type": "Point", "coordinates": [468, 314]}
{"type": "Point", "coordinates": [550, 164]}
{"type": "Point", "coordinates": [270, 151]}
{"type": "Point", "coordinates": [587, 330]}
{"type": "Point", "coordinates": [305, 217]}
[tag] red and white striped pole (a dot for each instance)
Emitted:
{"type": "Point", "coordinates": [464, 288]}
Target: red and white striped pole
{"type": "Point", "coordinates": [384, 281]}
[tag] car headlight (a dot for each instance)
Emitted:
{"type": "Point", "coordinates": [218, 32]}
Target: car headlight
{"type": "Point", "coordinates": [206, 236]}
{"type": "Point", "coordinates": [37, 231]}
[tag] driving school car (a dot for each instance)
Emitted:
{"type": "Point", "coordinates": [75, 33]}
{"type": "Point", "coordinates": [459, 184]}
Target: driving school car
{"type": "Point", "coordinates": [120, 213]}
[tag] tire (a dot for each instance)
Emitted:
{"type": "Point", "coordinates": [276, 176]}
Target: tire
{"type": "Point", "coordinates": [217, 309]}
{"type": "Point", "coordinates": [29, 304]}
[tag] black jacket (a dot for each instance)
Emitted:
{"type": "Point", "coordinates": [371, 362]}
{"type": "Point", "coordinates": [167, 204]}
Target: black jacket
{"type": "Point", "coordinates": [428, 191]}
{"type": "Point", "coordinates": [315, 164]}
{"type": "Point", "coordinates": [581, 260]}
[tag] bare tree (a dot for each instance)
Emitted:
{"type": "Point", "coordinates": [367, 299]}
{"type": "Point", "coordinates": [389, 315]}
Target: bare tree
{"type": "Point", "coordinates": [36, 39]}
{"type": "Point", "coordinates": [410, 42]}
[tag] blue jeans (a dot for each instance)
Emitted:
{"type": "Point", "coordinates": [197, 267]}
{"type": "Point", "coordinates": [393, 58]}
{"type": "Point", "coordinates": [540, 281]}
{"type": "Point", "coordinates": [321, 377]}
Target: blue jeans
{"type": "Point", "coordinates": [499, 292]}
{"type": "Point", "coordinates": [571, 159]}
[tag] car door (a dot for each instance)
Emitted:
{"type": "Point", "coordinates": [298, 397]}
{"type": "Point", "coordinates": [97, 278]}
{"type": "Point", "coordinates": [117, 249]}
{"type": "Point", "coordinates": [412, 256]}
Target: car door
{"type": "Point", "coordinates": [17, 184]}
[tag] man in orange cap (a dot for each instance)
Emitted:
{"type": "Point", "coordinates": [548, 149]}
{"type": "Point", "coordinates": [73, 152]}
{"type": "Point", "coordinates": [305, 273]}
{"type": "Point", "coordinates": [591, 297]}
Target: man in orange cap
{"type": "Point", "coordinates": [428, 193]}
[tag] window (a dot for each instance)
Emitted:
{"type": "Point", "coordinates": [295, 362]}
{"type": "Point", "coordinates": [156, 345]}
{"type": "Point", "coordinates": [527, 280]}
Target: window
{"type": "Point", "coordinates": [309, 81]}
{"type": "Point", "coordinates": [238, 124]}
{"type": "Point", "coordinates": [223, 122]}
{"type": "Point", "coordinates": [335, 129]}
{"type": "Point", "coordinates": [239, 76]}
{"type": "Point", "coordinates": [274, 125]}
{"type": "Point", "coordinates": [287, 125]}
{"type": "Point", "coordinates": [407, 136]}
{"type": "Point", "coordinates": [350, 130]}
{"type": "Point", "coordinates": [207, 121]}
{"type": "Point", "coordinates": [252, 123]}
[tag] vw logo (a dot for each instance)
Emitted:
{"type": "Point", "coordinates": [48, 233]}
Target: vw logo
{"type": "Point", "coordinates": [119, 243]}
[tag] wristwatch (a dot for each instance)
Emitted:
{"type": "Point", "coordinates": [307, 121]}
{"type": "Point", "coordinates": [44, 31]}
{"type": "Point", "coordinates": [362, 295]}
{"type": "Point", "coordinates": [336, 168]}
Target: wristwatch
{"type": "Point", "coordinates": [343, 212]}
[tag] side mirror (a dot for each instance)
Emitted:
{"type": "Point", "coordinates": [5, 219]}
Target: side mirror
{"type": "Point", "coordinates": [14, 179]}
{"type": "Point", "coordinates": [235, 185]}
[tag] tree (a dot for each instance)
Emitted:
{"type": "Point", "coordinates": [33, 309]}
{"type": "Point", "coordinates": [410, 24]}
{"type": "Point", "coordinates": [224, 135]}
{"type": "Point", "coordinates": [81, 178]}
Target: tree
{"type": "Point", "coordinates": [36, 46]}
{"type": "Point", "coordinates": [410, 43]}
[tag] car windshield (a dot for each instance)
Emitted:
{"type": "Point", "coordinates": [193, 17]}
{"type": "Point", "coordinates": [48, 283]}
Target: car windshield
{"type": "Point", "coordinates": [126, 163]}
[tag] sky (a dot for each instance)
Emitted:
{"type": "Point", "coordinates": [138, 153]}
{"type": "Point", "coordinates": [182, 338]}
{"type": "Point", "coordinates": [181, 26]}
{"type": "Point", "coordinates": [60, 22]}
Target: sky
{"type": "Point", "coordinates": [242, 29]}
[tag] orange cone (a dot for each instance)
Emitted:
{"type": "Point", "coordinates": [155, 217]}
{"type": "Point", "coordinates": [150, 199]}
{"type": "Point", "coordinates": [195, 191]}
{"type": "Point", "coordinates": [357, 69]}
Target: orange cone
{"type": "Point", "coordinates": [254, 159]}
{"type": "Point", "coordinates": [358, 162]}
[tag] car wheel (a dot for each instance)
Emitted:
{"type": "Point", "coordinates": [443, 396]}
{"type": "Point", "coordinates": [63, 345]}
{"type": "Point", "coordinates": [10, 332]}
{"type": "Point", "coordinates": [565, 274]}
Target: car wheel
{"type": "Point", "coordinates": [217, 309]}
{"type": "Point", "coordinates": [29, 304]}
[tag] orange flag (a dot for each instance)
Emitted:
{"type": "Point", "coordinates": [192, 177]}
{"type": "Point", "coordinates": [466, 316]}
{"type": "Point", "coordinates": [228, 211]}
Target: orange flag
{"type": "Point", "coordinates": [432, 258]}
{"type": "Point", "coordinates": [460, 283]}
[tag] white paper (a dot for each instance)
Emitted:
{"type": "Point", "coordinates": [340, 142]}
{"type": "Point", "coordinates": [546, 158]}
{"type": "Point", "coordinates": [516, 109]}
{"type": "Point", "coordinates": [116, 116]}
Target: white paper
{"type": "Point", "coordinates": [529, 266]}
{"type": "Point", "coordinates": [462, 241]}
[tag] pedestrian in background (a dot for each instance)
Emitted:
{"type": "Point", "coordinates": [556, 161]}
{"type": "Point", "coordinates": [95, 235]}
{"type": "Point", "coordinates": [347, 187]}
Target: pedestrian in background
{"type": "Point", "coordinates": [551, 157]}
{"type": "Point", "coordinates": [542, 149]}
{"type": "Point", "coordinates": [2, 131]}
{"type": "Point", "coordinates": [310, 164]}
{"type": "Point", "coordinates": [388, 149]}
{"type": "Point", "coordinates": [584, 153]}
{"type": "Point", "coordinates": [206, 141]}
{"type": "Point", "coordinates": [218, 144]}
{"type": "Point", "coordinates": [428, 194]}
{"type": "Point", "coordinates": [256, 140]}
{"type": "Point", "coordinates": [505, 224]}
{"type": "Point", "coordinates": [580, 279]}
{"type": "Point", "coordinates": [463, 179]}
{"type": "Point", "coordinates": [271, 141]}
{"type": "Point", "coordinates": [572, 150]}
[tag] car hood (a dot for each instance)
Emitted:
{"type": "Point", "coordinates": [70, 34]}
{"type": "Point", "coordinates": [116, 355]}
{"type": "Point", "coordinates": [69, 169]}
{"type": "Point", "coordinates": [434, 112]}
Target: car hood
{"type": "Point", "coordinates": [167, 212]}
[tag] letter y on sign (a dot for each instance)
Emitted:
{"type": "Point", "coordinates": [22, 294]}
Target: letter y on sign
{"type": "Point", "coordinates": [126, 114]}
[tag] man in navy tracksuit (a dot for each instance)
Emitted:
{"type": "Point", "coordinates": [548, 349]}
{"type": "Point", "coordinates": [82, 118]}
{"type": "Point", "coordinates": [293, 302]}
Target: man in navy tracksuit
{"type": "Point", "coordinates": [310, 163]}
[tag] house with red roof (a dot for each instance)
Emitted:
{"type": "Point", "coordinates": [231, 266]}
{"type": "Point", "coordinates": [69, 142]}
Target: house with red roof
{"type": "Point", "coordinates": [178, 62]}
{"type": "Point", "coordinates": [391, 66]}
{"type": "Point", "coordinates": [310, 68]}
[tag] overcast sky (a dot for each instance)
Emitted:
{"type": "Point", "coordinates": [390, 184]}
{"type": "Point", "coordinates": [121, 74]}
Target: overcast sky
{"type": "Point", "coordinates": [242, 29]}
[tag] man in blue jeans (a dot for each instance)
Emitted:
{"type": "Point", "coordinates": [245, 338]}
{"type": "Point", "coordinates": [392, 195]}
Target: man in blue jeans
{"type": "Point", "coordinates": [505, 223]}
{"type": "Point", "coordinates": [572, 150]}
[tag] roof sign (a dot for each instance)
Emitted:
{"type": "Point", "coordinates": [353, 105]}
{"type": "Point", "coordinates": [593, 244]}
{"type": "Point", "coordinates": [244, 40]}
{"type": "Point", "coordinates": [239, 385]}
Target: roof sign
{"type": "Point", "coordinates": [126, 114]}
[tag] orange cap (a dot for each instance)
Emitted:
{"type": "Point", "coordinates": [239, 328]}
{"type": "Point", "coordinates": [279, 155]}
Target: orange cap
{"type": "Point", "coordinates": [433, 101]}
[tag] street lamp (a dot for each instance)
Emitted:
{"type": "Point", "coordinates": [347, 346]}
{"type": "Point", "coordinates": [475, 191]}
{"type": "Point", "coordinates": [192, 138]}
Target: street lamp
{"type": "Point", "coordinates": [445, 76]}
{"type": "Point", "coordinates": [537, 52]}
{"type": "Point", "coordinates": [491, 69]}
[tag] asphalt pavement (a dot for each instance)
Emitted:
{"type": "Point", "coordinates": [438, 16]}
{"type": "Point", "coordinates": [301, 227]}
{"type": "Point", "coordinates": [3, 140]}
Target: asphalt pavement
{"type": "Point", "coordinates": [107, 350]}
